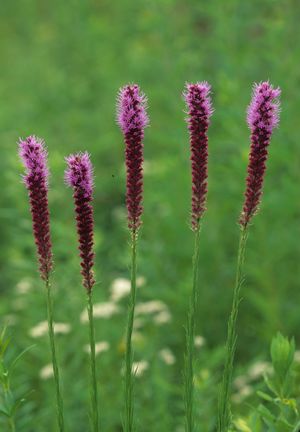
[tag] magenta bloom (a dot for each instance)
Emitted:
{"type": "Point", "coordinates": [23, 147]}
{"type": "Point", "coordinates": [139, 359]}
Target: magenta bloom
{"type": "Point", "coordinates": [79, 175]}
{"type": "Point", "coordinates": [34, 157]}
{"type": "Point", "coordinates": [262, 118]}
{"type": "Point", "coordinates": [199, 110]}
{"type": "Point", "coordinates": [132, 119]}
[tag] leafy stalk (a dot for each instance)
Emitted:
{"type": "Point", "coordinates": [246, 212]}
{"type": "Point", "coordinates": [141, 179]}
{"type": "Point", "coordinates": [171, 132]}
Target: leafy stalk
{"type": "Point", "coordinates": [79, 175]}
{"type": "Point", "coordinates": [8, 407]}
{"type": "Point", "coordinates": [224, 411]}
{"type": "Point", "coordinates": [129, 401]}
{"type": "Point", "coordinates": [190, 336]}
{"type": "Point", "coordinates": [59, 400]}
{"type": "Point", "coordinates": [94, 391]}
{"type": "Point", "coordinates": [12, 424]}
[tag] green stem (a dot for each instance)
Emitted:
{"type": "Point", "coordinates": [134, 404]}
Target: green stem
{"type": "Point", "coordinates": [94, 392]}
{"type": "Point", "coordinates": [190, 337]}
{"type": "Point", "coordinates": [129, 408]}
{"type": "Point", "coordinates": [8, 396]}
{"type": "Point", "coordinates": [12, 424]}
{"type": "Point", "coordinates": [224, 412]}
{"type": "Point", "coordinates": [59, 401]}
{"type": "Point", "coordinates": [297, 427]}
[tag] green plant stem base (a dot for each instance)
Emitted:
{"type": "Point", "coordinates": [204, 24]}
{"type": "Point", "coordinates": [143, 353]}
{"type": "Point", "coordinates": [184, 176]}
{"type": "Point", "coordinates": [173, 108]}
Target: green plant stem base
{"type": "Point", "coordinates": [94, 391]}
{"type": "Point", "coordinates": [128, 393]}
{"type": "Point", "coordinates": [190, 336]}
{"type": "Point", "coordinates": [224, 411]}
{"type": "Point", "coordinates": [59, 400]}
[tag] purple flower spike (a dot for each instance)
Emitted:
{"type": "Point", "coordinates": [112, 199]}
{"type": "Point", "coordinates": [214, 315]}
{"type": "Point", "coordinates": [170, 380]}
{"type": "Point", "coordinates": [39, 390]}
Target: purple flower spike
{"type": "Point", "coordinates": [132, 119]}
{"type": "Point", "coordinates": [79, 175]}
{"type": "Point", "coordinates": [131, 109]}
{"type": "Point", "coordinates": [262, 118]}
{"type": "Point", "coordinates": [263, 111]}
{"type": "Point", "coordinates": [199, 110]}
{"type": "Point", "coordinates": [34, 157]}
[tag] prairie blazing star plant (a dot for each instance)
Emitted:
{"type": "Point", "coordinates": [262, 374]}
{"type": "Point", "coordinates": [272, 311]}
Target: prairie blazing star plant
{"type": "Point", "coordinates": [132, 119]}
{"type": "Point", "coordinates": [263, 117]}
{"type": "Point", "coordinates": [33, 154]}
{"type": "Point", "coordinates": [79, 176]}
{"type": "Point", "coordinates": [199, 111]}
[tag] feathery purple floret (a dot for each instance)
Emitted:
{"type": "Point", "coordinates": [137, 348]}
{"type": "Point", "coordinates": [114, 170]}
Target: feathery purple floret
{"type": "Point", "coordinates": [199, 110]}
{"type": "Point", "coordinates": [33, 153]}
{"type": "Point", "coordinates": [263, 111]}
{"type": "Point", "coordinates": [131, 109]}
{"type": "Point", "coordinates": [132, 119]}
{"type": "Point", "coordinates": [262, 118]}
{"type": "Point", "coordinates": [79, 175]}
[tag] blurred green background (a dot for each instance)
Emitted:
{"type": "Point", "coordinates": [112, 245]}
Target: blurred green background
{"type": "Point", "coordinates": [62, 64]}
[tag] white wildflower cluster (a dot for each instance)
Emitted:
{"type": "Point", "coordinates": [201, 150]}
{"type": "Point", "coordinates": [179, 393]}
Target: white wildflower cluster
{"type": "Point", "coordinates": [139, 367]}
{"type": "Point", "coordinates": [243, 383]}
{"type": "Point", "coordinates": [150, 307]}
{"type": "Point", "coordinates": [120, 287]}
{"type": "Point", "coordinates": [100, 347]}
{"type": "Point", "coordinates": [101, 310]}
{"type": "Point", "coordinates": [167, 356]}
{"type": "Point", "coordinates": [42, 328]}
{"type": "Point", "coordinates": [199, 341]}
{"type": "Point", "coordinates": [156, 308]}
{"type": "Point", "coordinates": [46, 372]}
{"type": "Point", "coordinates": [297, 356]}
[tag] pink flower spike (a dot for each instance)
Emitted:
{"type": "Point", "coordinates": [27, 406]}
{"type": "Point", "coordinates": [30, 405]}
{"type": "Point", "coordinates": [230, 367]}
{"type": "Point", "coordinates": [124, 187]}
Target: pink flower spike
{"type": "Point", "coordinates": [132, 119]}
{"type": "Point", "coordinates": [199, 110]}
{"type": "Point", "coordinates": [262, 118]}
{"type": "Point", "coordinates": [33, 154]}
{"type": "Point", "coordinates": [79, 175]}
{"type": "Point", "coordinates": [131, 109]}
{"type": "Point", "coordinates": [263, 111]}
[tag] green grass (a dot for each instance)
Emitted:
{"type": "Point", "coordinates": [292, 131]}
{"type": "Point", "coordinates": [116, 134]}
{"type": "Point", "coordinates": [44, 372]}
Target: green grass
{"type": "Point", "coordinates": [61, 66]}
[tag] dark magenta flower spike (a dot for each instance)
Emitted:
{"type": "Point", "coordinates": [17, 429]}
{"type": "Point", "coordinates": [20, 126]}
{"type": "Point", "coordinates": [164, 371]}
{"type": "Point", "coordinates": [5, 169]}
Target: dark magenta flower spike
{"type": "Point", "coordinates": [199, 110]}
{"type": "Point", "coordinates": [34, 157]}
{"type": "Point", "coordinates": [132, 119]}
{"type": "Point", "coordinates": [33, 154]}
{"type": "Point", "coordinates": [79, 176]}
{"type": "Point", "coordinates": [262, 118]}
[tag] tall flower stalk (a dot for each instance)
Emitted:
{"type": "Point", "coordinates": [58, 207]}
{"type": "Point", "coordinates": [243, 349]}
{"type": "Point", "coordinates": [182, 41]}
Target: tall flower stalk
{"type": "Point", "coordinates": [262, 118]}
{"type": "Point", "coordinates": [34, 157]}
{"type": "Point", "coordinates": [79, 176]}
{"type": "Point", "coordinates": [132, 119]}
{"type": "Point", "coordinates": [199, 111]}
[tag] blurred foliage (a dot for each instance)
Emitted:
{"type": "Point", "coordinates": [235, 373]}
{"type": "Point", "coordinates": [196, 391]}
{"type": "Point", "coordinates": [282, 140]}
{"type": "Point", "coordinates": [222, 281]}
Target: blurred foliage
{"type": "Point", "coordinates": [279, 411]}
{"type": "Point", "coordinates": [62, 64]}
{"type": "Point", "coordinates": [10, 399]}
